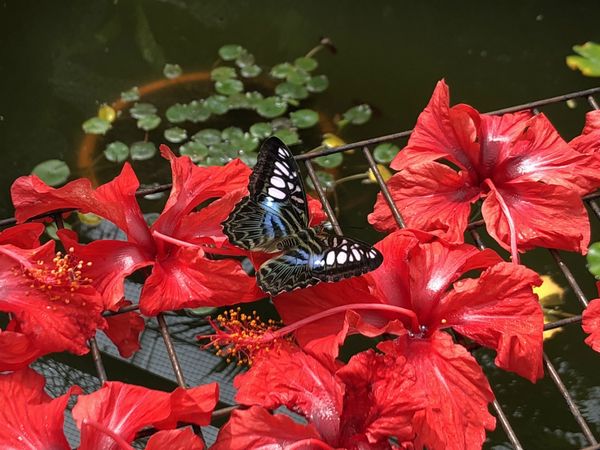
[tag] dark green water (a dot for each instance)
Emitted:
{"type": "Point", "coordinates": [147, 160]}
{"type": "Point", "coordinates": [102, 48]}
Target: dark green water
{"type": "Point", "coordinates": [60, 59]}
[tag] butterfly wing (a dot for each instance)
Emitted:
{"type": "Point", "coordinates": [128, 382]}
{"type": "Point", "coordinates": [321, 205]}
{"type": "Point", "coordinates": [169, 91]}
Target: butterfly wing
{"type": "Point", "coordinates": [276, 206]}
{"type": "Point", "coordinates": [328, 259]}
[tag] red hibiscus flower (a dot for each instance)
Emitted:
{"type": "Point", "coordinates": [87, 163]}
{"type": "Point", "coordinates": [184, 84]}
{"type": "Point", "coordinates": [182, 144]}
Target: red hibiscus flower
{"type": "Point", "coordinates": [530, 179]}
{"type": "Point", "coordinates": [589, 140]}
{"type": "Point", "coordinates": [50, 298]}
{"type": "Point", "coordinates": [591, 323]}
{"type": "Point", "coordinates": [182, 275]}
{"type": "Point", "coordinates": [416, 293]}
{"type": "Point", "coordinates": [360, 405]}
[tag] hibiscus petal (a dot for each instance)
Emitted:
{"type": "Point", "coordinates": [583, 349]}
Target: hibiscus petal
{"type": "Point", "coordinates": [544, 216]}
{"type": "Point", "coordinates": [17, 351]}
{"type": "Point", "coordinates": [591, 324]}
{"type": "Point", "coordinates": [456, 389]}
{"type": "Point", "coordinates": [124, 330]}
{"type": "Point", "coordinates": [26, 235]}
{"type": "Point", "coordinates": [181, 439]}
{"type": "Point", "coordinates": [499, 310]}
{"type": "Point", "coordinates": [257, 428]}
{"type": "Point", "coordinates": [292, 378]}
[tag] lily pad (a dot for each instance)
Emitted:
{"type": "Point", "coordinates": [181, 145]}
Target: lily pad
{"type": "Point", "coordinates": [142, 150]}
{"type": "Point", "coordinates": [587, 60]}
{"type": "Point", "coordinates": [288, 136]}
{"type": "Point", "coordinates": [231, 133]}
{"type": "Point", "coordinates": [298, 76]}
{"type": "Point", "coordinates": [271, 107]}
{"type": "Point", "coordinates": [238, 101]}
{"type": "Point", "coordinates": [254, 98]}
{"type": "Point", "coordinates": [230, 52]}
{"type": "Point", "coordinates": [245, 143]}
{"type": "Point", "coordinates": [224, 149]}
{"type": "Point", "coordinates": [116, 151]}
{"type": "Point", "coordinates": [304, 118]}
{"type": "Point", "coordinates": [330, 161]}
{"type": "Point", "coordinates": [229, 87]}
{"type": "Point", "coordinates": [282, 70]}
{"type": "Point", "coordinates": [317, 84]}
{"type": "Point", "coordinates": [208, 136]}
{"type": "Point", "coordinates": [175, 135]}
{"type": "Point", "coordinates": [358, 115]}
{"type": "Point", "coordinates": [250, 71]}
{"type": "Point", "coordinates": [131, 95]}
{"type": "Point", "coordinates": [249, 159]}
{"type": "Point", "coordinates": [222, 73]}
{"type": "Point", "coordinates": [245, 60]}
{"type": "Point", "coordinates": [140, 110]}
{"type": "Point", "coordinates": [384, 153]}
{"type": "Point", "coordinates": [290, 90]}
{"type": "Point", "coordinates": [197, 111]}
{"type": "Point", "coordinates": [196, 150]}
{"type": "Point", "coordinates": [261, 130]}
{"type": "Point", "coordinates": [177, 113]}
{"type": "Point", "coordinates": [96, 125]}
{"type": "Point", "coordinates": [593, 259]}
{"type": "Point", "coordinates": [172, 71]}
{"type": "Point", "coordinates": [149, 122]}
{"type": "Point", "coordinates": [217, 104]}
{"type": "Point", "coordinates": [306, 63]}
{"type": "Point", "coordinates": [53, 172]}
{"type": "Point", "coordinates": [326, 180]}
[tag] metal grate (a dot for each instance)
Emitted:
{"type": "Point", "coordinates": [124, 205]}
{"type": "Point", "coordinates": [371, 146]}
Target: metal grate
{"type": "Point", "coordinates": [221, 414]}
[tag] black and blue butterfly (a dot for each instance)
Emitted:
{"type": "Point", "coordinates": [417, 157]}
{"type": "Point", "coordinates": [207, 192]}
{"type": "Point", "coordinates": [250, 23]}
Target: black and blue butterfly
{"type": "Point", "coordinates": [274, 218]}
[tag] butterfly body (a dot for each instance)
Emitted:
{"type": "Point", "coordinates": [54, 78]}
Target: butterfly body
{"type": "Point", "coordinates": [274, 219]}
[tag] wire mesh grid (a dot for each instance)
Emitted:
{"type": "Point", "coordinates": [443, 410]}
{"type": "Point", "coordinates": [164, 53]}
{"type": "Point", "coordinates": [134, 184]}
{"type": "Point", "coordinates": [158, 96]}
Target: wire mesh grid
{"type": "Point", "coordinates": [222, 413]}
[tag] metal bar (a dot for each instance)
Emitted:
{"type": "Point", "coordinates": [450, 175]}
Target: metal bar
{"type": "Point", "coordinates": [384, 189]}
{"type": "Point", "coordinates": [97, 358]}
{"type": "Point", "coordinates": [562, 322]}
{"type": "Point", "coordinates": [570, 278]}
{"type": "Point", "coordinates": [123, 310]}
{"type": "Point", "coordinates": [164, 331]}
{"type": "Point", "coordinates": [508, 429]}
{"type": "Point", "coordinates": [321, 193]}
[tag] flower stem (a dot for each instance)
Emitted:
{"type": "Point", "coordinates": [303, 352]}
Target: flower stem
{"type": "Point", "coordinates": [511, 224]}
{"type": "Point", "coordinates": [200, 247]}
{"type": "Point", "coordinates": [122, 443]}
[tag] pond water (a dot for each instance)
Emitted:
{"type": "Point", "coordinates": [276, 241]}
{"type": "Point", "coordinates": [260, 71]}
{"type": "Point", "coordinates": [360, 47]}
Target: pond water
{"type": "Point", "coordinates": [59, 60]}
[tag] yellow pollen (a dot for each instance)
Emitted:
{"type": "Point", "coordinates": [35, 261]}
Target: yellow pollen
{"type": "Point", "coordinates": [444, 321]}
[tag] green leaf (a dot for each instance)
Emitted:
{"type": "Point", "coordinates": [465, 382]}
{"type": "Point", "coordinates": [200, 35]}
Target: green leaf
{"type": "Point", "coordinates": [271, 107]}
{"type": "Point", "coordinates": [304, 118]}
{"type": "Point", "coordinates": [306, 63]}
{"type": "Point", "coordinates": [52, 228]}
{"type": "Point", "coordinates": [593, 259]}
{"type": "Point", "coordinates": [230, 52]}
{"type": "Point", "coordinates": [217, 104]}
{"type": "Point", "coordinates": [384, 153]}
{"type": "Point", "coordinates": [142, 150]}
{"type": "Point", "coordinates": [330, 161]}
{"type": "Point", "coordinates": [298, 76]}
{"type": "Point", "coordinates": [116, 151]}
{"type": "Point", "coordinates": [140, 110]}
{"type": "Point", "coordinates": [288, 136]}
{"type": "Point", "coordinates": [238, 101]}
{"type": "Point", "coordinates": [289, 90]}
{"type": "Point", "coordinates": [245, 143]}
{"type": "Point", "coordinates": [222, 73]}
{"type": "Point", "coordinates": [231, 133]}
{"type": "Point", "coordinates": [131, 95]}
{"type": "Point", "coordinates": [197, 111]}
{"type": "Point", "coordinates": [224, 149]}
{"type": "Point", "coordinates": [196, 150]}
{"type": "Point", "coordinates": [52, 172]}
{"type": "Point", "coordinates": [589, 60]}
{"type": "Point", "coordinates": [177, 113]}
{"type": "Point", "coordinates": [358, 115]}
{"type": "Point", "coordinates": [250, 71]}
{"type": "Point", "coordinates": [175, 135]}
{"type": "Point", "coordinates": [317, 84]}
{"type": "Point", "coordinates": [149, 122]}
{"type": "Point", "coordinates": [282, 70]}
{"type": "Point", "coordinates": [172, 71]}
{"type": "Point", "coordinates": [249, 159]}
{"type": "Point", "coordinates": [96, 125]}
{"type": "Point", "coordinates": [229, 87]}
{"type": "Point", "coordinates": [208, 136]}
{"type": "Point", "coordinates": [326, 180]}
{"type": "Point", "coordinates": [254, 98]}
{"type": "Point", "coordinates": [245, 60]}
{"type": "Point", "coordinates": [261, 130]}
{"type": "Point", "coordinates": [215, 160]}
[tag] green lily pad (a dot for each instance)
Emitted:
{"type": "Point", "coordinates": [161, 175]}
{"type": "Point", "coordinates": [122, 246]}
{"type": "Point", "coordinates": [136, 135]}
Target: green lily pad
{"type": "Point", "coordinates": [96, 125]}
{"type": "Point", "coordinates": [306, 63]}
{"type": "Point", "coordinates": [304, 118]}
{"type": "Point", "coordinates": [384, 153]}
{"type": "Point", "coordinates": [290, 90]}
{"type": "Point", "coordinates": [271, 107]}
{"type": "Point", "coordinates": [587, 60]}
{"type": "Point", "coordinates": [116, 151]}
{"type": "Point", "coordinates": [52, 228]}
{"type": "Point", "coordinates": [593, 259]}
{"type": "Point", "coordinates": [245, 143]}
{"type": "Point", "coordinates": [282, 70]}
{"type": "Point", "coordinates": [223, 149]}
{"type": "Point", "coordinates": [217, 104]}
{"type": "Point", "coordinates": [254, 98]}
{"type": "Point", "coordinates": [140, 110]}
{"type": "Point", "coordinates": [231, 133]}
{"type": "Point", "coordinates": [317, 84]}
{"type": "Point", "coordinates": [131, 95]}
{"type": "Point", "coordinates": [52, 172]}
{"type": "Point", "coordinates": [208, 136]}
{"type": "Point", "coordinates": [245, 60]}
{"type": "Point", "coordinates": [142, 150]}
{"type": "Point", "coordinates": [197, 111]}
{"type": "Point", "coordinates": [149, 122]}
{"type": "Point", "coordinates": [288, 136]}
{"type": "Point", "coordinates": [230, 52]}
{"type": "Point", "coordinates": [358, 115]}
{"type": "Point", "coordinates": [175, 135]}
{"type": "Point", "coordinates": [196, 150]}
{"type": "Point", "coordinates": [222, 73]}
{"type": "Point", "coordinates": [298, 76]}
{"type": "Point", "coordinates": [177, 113]}
{"type": "Point", "coordinates": [229, 87]}
{"type": "Point", "coordinates": [326, 180]}
{"type": "Point", "coordinates": [238, 101]}
{"type": "Point", "coordinates": [215, 160]}
{"type": "Point", "coordinates": [330, 161]}
{"type": "Point", "coordinates": [172, 71]}
{"type": "Point", "coordinates": [250, 71]}
{"type": "Point", "coordinates": [261, 130]}
{"type": "Point", "coordinates": [249, 159]}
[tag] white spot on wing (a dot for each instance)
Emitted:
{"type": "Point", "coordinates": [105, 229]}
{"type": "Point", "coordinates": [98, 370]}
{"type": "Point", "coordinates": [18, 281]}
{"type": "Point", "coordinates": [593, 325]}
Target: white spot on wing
{"type": "Point", "coordinates": [276, 193]}
{"type": "Point", "coordinates": [341, 257]}
{"type": "Point", "coordinates": [330, 258]}
{"type": "Point", "coordinates": [281, 166]}
{"type": "Point", "coordinates": [356, 254]}
{"type": "Point", "coordinates": [282, 152]}
{"type": "Point", "coordinates": [277, 182]}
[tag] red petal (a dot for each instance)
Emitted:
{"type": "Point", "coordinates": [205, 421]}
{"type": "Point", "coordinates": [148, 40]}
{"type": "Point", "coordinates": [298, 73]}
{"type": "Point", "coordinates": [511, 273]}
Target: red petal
{"type": "Point", "coordinates": [17, 351]}
{"type": "Point", "coordinates": [591, 324]}
{"type": "Point", "coordinates": [26, 235]}
{"type": "Point", "coordinates": [256, 428]}
{"type": "Point", "coordinates": [194, 405]}
{"type": "Point", "coordinates": [187, 280]}
{"type": "Point", "coordinates": [298, 381]}
{"type": "Point", "coordinates": [457, 393]}
{"type": "Point", "coordinates": [499, 310]}
{"type": "Point", "coordinates": [181, 439]}
{"type": "Point", "coordinates": [124, 330]}
{"type": "Point", "coordinates": [544, 216]}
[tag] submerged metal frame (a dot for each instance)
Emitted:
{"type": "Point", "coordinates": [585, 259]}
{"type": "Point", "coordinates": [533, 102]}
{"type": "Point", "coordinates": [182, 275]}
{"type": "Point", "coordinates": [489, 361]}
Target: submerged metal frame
{"type": "Point", "coordinates": [472, 228]}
